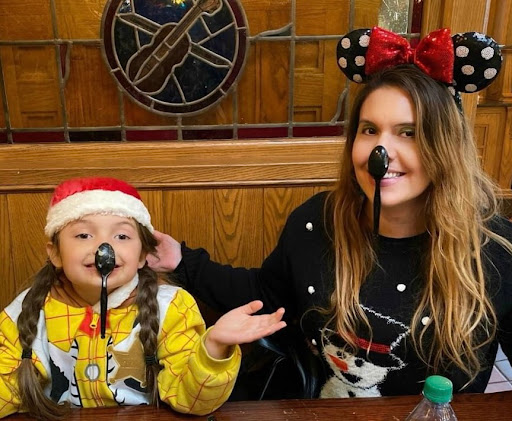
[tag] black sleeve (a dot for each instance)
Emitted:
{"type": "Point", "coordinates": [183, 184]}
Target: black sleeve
{"type": "Point", "coordinates": [224, 287]}
{"type": "Point", "coordinates": [505, 336]}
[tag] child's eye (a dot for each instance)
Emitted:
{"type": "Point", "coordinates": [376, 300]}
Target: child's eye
{"type": "Point", "coordinates": [122, 237]}
{"type": "Point", "coordinates": [83, 236]}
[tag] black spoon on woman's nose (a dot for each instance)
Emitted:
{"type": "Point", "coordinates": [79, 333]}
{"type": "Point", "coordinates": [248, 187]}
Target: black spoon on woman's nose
{"type": "Point", "coordinates": [378, 163]}
{"type": "Point", "coordinates": [105, 262]}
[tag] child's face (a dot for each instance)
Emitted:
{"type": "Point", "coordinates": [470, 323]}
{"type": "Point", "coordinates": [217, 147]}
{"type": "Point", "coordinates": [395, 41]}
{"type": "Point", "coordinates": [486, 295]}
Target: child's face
{"type": "Point", "coordinates": [78, 242]}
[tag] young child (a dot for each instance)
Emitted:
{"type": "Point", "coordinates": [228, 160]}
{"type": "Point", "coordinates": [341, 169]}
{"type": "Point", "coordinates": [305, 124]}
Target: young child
{"type": "Point", "coordinates": [155, 346]}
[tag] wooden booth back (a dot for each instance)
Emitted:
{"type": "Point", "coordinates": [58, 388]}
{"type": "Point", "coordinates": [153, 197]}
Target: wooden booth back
{"type": "Point", "coordinates": [231, 198]}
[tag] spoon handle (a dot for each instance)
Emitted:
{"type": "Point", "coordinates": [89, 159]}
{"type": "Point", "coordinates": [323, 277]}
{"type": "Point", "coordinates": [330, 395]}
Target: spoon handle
{"type": "Point", "coordinates": [103, 305]}
{"type": "Point", "coordinates": [376, 208]}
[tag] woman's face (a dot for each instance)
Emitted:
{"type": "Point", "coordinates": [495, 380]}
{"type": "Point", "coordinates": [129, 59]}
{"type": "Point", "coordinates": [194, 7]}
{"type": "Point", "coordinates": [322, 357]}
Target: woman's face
{"type": "Point", "coordinates": [388, 118]}
{"type": "Point", "coordinates": [78, 242]}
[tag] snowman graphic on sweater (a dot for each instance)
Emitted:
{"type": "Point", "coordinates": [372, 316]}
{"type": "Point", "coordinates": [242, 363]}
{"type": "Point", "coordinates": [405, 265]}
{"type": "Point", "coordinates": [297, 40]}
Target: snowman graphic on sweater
{"type": "Point", "coordinates": [360, 374]}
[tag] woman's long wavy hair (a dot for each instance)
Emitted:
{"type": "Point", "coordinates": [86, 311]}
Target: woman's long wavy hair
{"type": "Point", "coordinates": [31, 384]}
{"type": "Point", "coordinates": [459, 204]}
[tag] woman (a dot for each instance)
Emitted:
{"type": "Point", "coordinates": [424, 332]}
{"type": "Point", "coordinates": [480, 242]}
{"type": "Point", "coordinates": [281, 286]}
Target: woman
{"type": "Point", "coordinates": [432, 293]}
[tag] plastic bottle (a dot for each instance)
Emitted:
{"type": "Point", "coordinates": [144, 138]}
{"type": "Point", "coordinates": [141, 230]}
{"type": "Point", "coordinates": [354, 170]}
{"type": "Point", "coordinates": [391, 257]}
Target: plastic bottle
{"type": "Point", "coordinates": [435, 405]}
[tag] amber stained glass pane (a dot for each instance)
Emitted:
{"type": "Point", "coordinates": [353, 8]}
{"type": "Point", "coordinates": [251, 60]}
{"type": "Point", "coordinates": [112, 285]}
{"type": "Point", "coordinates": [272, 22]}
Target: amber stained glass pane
{"type": "Point", "coordinates": [318, 81]}
{"type": "Point", "coordinates": [25, 20]}
{"type": "Point", "coordinates": [79, 19]}
{"type": "Point", "coordinates": [32, 86]}
{"type": "Point", "coordinates": [263, 91]}
{"type": "Point", "coordinates": [91, 93]}
{"type": "Point", "coordinates": [266, 15]}
{"type": "Point", "coordinates": [322, 17]}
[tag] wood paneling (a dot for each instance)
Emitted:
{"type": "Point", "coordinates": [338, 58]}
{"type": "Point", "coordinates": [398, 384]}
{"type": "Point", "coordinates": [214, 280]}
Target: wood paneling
{"type": "Point", "coordinates": [22, 20]}
{"type": "Point", "coordinates": [489, 130]}
{"type": "Point", "coordinates": [174, 164]}
{"type": "Point", "coordinates": [366, 13]}
{"type": "Point", "coordinates": [456, 15]}
{"type": "Point", "coordinates": [263, 90]}
{"type": "Point", "coordinates": [278, 203]}
{"type": "Point", "coordinates": [189, 216]}
{"type": "Point", "coordinates": [318, 81]}
{"type": "Point", "coordinates": [500, 28]}
{"type": "Point", "coordinates": [8, 280]}
{"type": "Point", "coordinates": [79, 19]}
{"type": "Point", "coordinates": [322, 17]}
{"type": "Point", "coordinates": [84, 106]}
{"type": "Point", "coordinates": [32, 87]}
{"type": "Point", "coordinates": [27, 216]}
{"type": "Point", "coordinates": [266, 15]}
{"type": "Point", "coordinates": [238, 226]}
{"type": "Point", "coordinates": [505, 177]}
{"type": "Point", "coordinates": [231, 198]}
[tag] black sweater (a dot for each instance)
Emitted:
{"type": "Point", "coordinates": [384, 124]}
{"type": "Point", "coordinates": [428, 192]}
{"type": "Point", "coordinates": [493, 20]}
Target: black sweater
{"type": "Point", "coordinates": [298, 275]}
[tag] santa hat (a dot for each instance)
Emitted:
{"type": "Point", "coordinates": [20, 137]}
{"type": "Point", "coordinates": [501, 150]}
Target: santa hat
{"type": "Point", "coordinates": [78, 197]}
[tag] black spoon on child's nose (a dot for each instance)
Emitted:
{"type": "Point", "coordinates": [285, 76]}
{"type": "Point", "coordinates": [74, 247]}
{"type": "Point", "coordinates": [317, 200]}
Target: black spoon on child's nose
{"type": "Point", "coordinates": [378, 163]}
{"type": "Point", "coordinates": [105, 262]}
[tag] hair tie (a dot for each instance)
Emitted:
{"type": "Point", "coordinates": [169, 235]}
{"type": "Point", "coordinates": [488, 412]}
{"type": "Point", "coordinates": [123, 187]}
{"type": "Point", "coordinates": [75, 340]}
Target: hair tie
{"type": "Point", "coordinates": [468, 61]}
{"type": "Point", "coordinates": [26, 353]}
{"type": "Point", "coordinates": [151, 359]}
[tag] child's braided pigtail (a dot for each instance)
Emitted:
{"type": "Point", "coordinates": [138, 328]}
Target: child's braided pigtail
{"type": "Point", "coordinates": [30, 382]}
{"type": "Point", "coordinates": [149, 325]}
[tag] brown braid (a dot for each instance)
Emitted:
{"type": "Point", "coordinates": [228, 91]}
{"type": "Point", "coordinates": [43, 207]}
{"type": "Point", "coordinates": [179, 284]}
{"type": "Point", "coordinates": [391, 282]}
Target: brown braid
{"type": "Point", "coordinates": [149, 325]}
{"type": "Point", "coordinates": [30, 382]}
{"type": "Point", "coordinates": [148, 314]}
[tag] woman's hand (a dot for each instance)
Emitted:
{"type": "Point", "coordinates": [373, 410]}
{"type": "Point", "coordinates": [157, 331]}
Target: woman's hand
{"type": "Point", "coordinates": [168, 253]}
{"type": "Point", "coordinates": [239, 327]}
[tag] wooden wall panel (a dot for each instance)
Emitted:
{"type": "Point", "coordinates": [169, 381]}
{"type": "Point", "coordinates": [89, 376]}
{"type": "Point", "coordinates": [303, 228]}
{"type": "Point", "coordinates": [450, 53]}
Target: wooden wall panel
{"type": "Point", "coordinates": [2, 114]}
{"type": "Point", "coordinates": [489, 130]}
{"type": "Point", "coordinates": [188, 216]}
{"type": "Point", "coordinates": [238, 215]}
{"type": "Point", "coordinates": [24, 20]}
{"type": "Point", "coordinates": [222, 113]}
{"type": "Point", "coordinates": [32, 87]}
{"type": "Point", "coordinates": [278, 203]}
{"type": "Point", "coordinates": [27, 216]}
{"type": "Point", "coordinates": [7, 292]}
{"type": "Point", "coordinates": [505, 178]}
{"type": "Point", "coordinates": [79, 19]}
{"type": "Point", "coordinates": [318, 81]}
{"type": "Point", "coordinates": [322, 17]}
{"type": "Point", "coordinates": [154, 201]}
{"type": "Point", "coordinates": [366, 13]}
{"type": "Point", "coordinates": [85, 107]}
{"type": "Point", "coordinates": [263, 91]}
{"type": "Point", "coordinates": [456, 15]}
{"type": "Point", "coordinates": [265, 15]}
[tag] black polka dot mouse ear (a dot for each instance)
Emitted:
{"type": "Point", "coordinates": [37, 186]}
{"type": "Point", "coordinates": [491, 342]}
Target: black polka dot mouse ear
{"type": "Point", "coordinates": [477, 61]}
{"type": "Point", "coordinates": [351, 54]}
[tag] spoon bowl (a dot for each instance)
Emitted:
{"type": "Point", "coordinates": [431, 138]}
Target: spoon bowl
{"type": "Point", "coordinates": [378, 162]}
{"type": "Point", "coordinates": [105, 259]}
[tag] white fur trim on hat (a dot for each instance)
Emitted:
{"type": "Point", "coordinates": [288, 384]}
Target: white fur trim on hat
{"type": "Point", "coordinates": [91, 202]}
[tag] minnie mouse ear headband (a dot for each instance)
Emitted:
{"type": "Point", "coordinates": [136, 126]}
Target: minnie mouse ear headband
{"type": "Point", "coordinates": [468, 61]}
{"type": "Point", "coordinates": [78, 197]}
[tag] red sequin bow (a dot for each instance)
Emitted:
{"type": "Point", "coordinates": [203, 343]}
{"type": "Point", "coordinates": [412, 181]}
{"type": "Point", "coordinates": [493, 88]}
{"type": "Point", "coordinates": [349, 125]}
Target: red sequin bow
{"type": "Point", "coordinates": [434, 54]}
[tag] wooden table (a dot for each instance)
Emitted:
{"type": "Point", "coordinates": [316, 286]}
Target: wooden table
{"type": "Point", "coordinates": [470, 407]}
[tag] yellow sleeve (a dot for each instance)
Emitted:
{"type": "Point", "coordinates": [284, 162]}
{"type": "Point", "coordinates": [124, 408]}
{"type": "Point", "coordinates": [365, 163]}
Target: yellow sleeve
{"type": "Point", "coordinates": [191, 381]}
{"type": "Point", "coordinates": [10, 358]}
